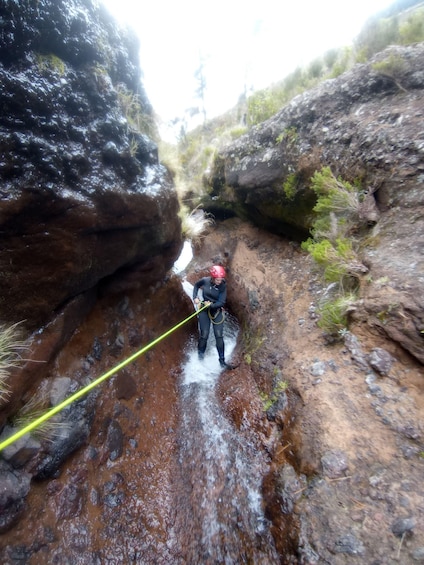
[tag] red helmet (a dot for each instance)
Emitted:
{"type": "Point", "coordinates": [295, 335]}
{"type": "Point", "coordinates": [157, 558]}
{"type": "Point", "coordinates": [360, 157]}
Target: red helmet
{"type": "Point", "coordinates": [217, 272]}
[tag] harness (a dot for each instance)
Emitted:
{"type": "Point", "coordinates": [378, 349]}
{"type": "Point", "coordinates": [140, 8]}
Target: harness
{"type": "Point", "coordinates": [212, 318]}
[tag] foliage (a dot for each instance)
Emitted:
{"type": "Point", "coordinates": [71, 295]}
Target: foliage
{"type": "Point", "coordinates": [11, 348]}
{"type": "Point", "coordinates": [412, 30]}
{"type": "Point", "coordinates": [131, 106]}
{"type": "Point", "coordinates": [35, 408]}
{"type": "Point", "coordinates": [332, 245]}
{"type": "Point", "coordinates": [333, 313]}
{"type": "Point", "coordinates": [335, 259]}
{"type": "Point", "coordinates": [378, 33]}
{"type": "Point", "coordinates": [195, 153]}
{"type": "Point", "coordinates": [343, 62]}
{"type": "Point", "coordinates": [289, 186]}
{"type": "Point", "coordinates": [50, 63]}
{"type": "Point", "coordinates": [268, 401]}
{"type": "Point", "coordinates": [315, 68]}
{"type": "Point", "coordinates": [335, 195]}
{"type": "Point", "coordinates": [238, 131]}
{"type": "Point", "coordinates": [337, 208]}
{"type": "Point", "coordinates": [375, 36]}
{"type": "Point", "coordinates": [391, 68]}
{"type": "Point", "coordinates": [289, 135]}
{"type": "Point", "coordinates": [195, 224]}
{"type": "Point", "coordinates": [261, 105]}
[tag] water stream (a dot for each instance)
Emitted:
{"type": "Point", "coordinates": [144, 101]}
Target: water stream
{"type": "Point", "coordinates": [224, 522]}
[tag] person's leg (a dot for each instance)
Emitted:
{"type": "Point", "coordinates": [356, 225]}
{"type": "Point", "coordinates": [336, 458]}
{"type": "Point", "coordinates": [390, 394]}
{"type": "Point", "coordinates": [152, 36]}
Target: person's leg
{"type": "Point", "coordinates": [204, 327]}
{"type": "Point", "coordinates": [218, 328]}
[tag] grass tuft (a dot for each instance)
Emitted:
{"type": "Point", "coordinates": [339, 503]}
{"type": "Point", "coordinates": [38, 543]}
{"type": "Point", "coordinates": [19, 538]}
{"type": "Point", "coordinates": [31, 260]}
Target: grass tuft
{"type": "Point", "coordinates": [195, 224]}
{"type": "Point", "coordinates": [12, 345]}
{"type": "Point", "coordinates": [39, 404]}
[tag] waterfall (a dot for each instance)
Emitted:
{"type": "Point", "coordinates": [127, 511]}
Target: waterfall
{"type": "Point", "coordinates": [221, 511]}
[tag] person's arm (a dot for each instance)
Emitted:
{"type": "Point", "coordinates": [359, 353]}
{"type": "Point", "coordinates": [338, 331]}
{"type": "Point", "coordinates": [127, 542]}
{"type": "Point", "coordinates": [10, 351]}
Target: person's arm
{"type": "Point", "coordinates": [196, 287]}
{"type": "Point", "coordinates": [222, 298]}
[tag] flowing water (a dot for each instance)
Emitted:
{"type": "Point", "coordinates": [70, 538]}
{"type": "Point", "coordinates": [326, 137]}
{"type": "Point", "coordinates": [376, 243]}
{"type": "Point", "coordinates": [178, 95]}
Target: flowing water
{"type": "Point", "coordinates": [225, 522]}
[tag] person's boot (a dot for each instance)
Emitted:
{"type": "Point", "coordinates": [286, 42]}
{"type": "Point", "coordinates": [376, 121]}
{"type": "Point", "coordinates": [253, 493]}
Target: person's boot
{"type": "Point", "coordinates": [201, 355]}
{"type": "Point", "coordinates": [223, 363]}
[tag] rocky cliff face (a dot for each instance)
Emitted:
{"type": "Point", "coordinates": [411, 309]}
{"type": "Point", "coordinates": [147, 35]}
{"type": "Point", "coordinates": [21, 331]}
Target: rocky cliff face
{"type": "Point", "coordinates": [366, 125]}
{"type": "Point", "coordinates": [342, 422]}
{"type": "Point", "coordinates": [86, 207]}
{"type": "Point", "coordinates": [83, 194]}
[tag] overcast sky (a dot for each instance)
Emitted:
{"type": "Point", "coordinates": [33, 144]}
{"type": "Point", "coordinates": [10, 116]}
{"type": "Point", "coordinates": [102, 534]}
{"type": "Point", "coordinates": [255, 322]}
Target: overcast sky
{"type": "Point", "coordinates": [243, 44]}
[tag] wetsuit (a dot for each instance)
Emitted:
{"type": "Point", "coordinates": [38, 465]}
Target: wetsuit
{"type": "Point", "coordinates": [217, 295]}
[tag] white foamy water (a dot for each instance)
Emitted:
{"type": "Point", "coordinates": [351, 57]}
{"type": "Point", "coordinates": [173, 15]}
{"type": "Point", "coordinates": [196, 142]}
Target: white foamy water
{"type": "Point", "coordinates": [224, 521]}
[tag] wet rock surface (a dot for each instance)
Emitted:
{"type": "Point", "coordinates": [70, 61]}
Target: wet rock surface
{"type": "Point", "coordinates": [15, 486]}
{"type": "Point", "coordinates": [83, 193]}
{"type": "Point", "coordinates": [352, 433]}
{"type": "Point", "coordinates": [367, 126]}
{"type": "Point", "coordinates": [89, 220]}
{"type": "Point", "coordinates": [114, 498]}
{"type": "Point", "coordinates": [342, 442]}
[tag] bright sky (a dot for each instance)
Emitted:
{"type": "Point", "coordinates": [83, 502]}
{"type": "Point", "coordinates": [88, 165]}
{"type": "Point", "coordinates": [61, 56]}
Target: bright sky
{"type": "Point", "coordinates": [244, 44]}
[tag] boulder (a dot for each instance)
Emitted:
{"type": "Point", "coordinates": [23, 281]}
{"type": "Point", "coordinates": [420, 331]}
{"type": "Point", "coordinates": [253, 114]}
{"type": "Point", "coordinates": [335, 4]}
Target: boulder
{"type": "Point", "coordinates": [84, 196]}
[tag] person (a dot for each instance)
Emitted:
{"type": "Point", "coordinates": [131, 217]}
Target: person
{"type": "Point", "coordinates": [214, 289]}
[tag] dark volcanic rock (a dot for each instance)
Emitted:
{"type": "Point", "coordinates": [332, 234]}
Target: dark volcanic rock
{"type": "Point", "coordinates": [83, 196]}
{"type": "Point", "coordinates": [14, 488]}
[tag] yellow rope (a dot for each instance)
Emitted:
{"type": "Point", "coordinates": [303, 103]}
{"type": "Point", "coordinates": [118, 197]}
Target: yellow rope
{"type": "Point", "coordinates": [56, 409]}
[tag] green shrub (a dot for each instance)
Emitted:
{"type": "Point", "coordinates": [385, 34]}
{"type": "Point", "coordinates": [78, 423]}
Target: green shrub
{"type": "Point", "coordinates": [337, 208]}
{"type": "Point", "coordinates": [391, 68]}
{"type": "Point", "coordinates": [238, 132]}
{"type": "Point", "coordinates": [335, 195]}
{"type": "Point", "coordinates": [262, 105]}
{"type": "Point", "coordinates": [289, 186]}
{"type": "Point", "coordinates": [289, 135]}
{"type": "Point", "coordinates": [50, 63]}
{"type": "Point", "coordinates": [335, 260]}
{"type": "Point", "coordinates": [332, 245]}
{"type": "Point", "coordinates": [137, 119]}
{"type": "Point", "coordinates": [333, 313]}
{"type": "Point", "coordinates": [412, 31]}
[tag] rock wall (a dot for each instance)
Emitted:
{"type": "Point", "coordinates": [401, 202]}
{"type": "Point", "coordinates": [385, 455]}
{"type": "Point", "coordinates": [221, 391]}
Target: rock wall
{"type": "Point", "coordinates": [83, 195]}
{"type": "Point", "coordinates": [342, 422]}
{"type": "Point", "coordinates": [366, 125]}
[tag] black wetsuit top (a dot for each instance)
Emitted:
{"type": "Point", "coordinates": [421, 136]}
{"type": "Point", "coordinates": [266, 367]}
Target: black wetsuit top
{"type": "Point", "coordinates": [214, 293]}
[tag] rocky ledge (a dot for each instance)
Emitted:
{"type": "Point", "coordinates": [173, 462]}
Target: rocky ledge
{"type": "Point", "coordinates": [366, 125]}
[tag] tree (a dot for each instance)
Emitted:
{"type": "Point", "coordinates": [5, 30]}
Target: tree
{"type": "Point", "coordinates": [199, 75]}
